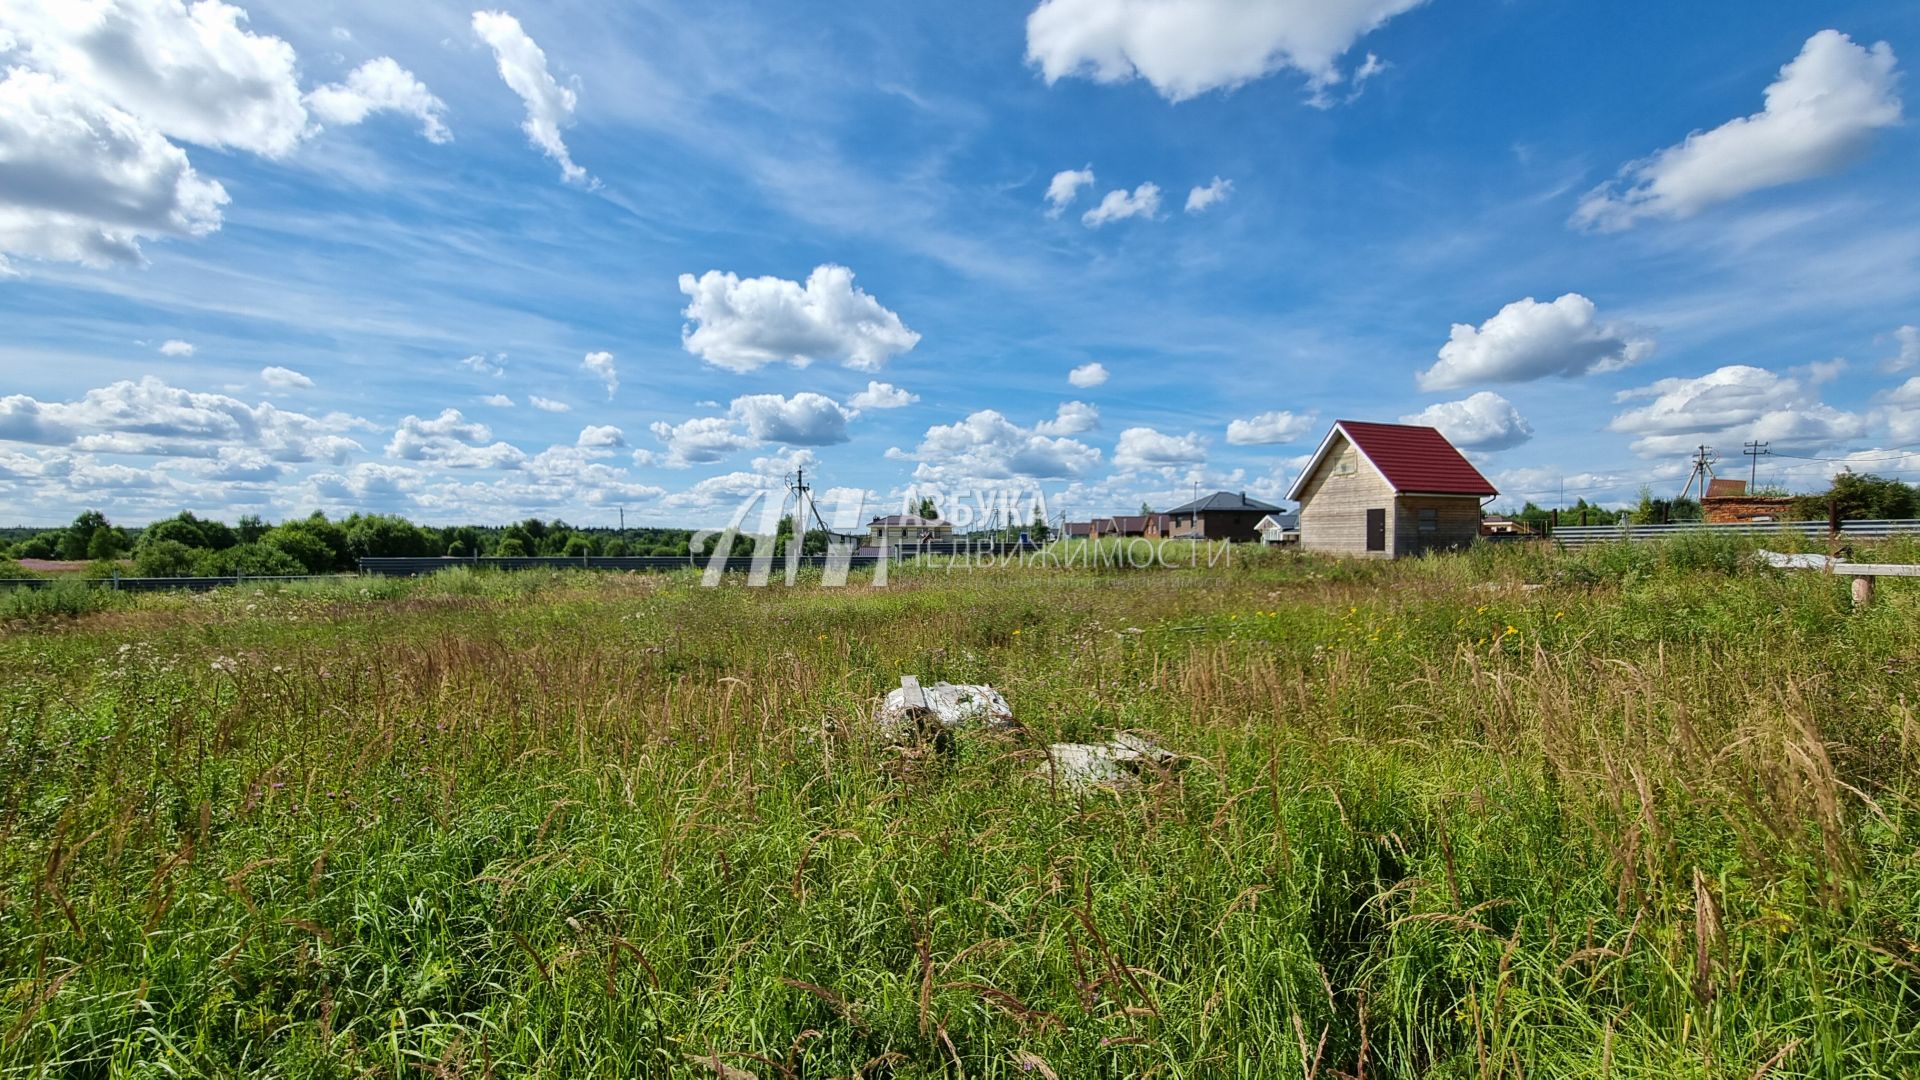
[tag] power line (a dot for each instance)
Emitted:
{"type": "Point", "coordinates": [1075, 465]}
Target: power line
{"type": "Point", "coordinates": [1756, 451]}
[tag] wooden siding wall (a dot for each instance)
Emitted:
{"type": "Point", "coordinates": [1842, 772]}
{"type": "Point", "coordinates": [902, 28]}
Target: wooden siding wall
{"type": "Point", "coordinates": [1459, 523]}
{"type": "Point", "coordinates": [1333, 508]}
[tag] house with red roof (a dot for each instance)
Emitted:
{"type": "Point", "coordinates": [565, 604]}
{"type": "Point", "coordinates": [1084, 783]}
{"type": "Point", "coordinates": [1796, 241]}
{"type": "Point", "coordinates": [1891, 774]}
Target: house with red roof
{"type": "Point", "coordinates": [1384, 491]}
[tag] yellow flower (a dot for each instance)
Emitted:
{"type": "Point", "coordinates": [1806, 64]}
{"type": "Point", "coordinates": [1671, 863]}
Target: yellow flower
{"type": "Point", "coordinates": [1559, 614]}
{"type": "Point", "coordinates": [823, 637]}
{"type": "Point", "coordinates": [1016, 633]}
{"type": "Point", "coordinates": [1511, 630]}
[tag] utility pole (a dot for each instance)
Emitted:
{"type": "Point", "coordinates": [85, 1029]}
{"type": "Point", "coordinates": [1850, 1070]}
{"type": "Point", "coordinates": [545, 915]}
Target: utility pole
{"type": "Point", "coordinates": [1702, 470]}
{"type": "Point", "coordinates": [623, 520]}
{"type": "Point", "coordinates": [1756, 451]}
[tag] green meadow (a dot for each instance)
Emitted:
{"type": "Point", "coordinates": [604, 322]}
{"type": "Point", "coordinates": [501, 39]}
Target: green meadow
{"type": "Point", "coordinates": [1629, 812]}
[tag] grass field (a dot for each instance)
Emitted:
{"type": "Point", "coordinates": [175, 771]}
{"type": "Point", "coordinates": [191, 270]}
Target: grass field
{"type": "Point", "coordinates": [1639, 812]}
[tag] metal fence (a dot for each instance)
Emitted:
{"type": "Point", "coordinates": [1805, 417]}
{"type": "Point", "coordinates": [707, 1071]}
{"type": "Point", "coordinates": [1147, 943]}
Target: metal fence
{"type": "Point", "coordinates": [156, 584]}
{"type": "Point", "coordinates": [1581, 535]}
{"type": "Point", "coordinates": [410, 567]}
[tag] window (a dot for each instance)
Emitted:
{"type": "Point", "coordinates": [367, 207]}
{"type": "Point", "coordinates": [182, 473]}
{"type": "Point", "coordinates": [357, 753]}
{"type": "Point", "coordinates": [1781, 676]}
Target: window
{"type": "Point", "coordinates": [1429, 519]}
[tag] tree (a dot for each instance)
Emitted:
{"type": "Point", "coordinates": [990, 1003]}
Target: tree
{"type": "Point", "coordinates": [1039, 531]}
{"type": "Point", "coordinates": [511, 548]}
{"type": "Point", "coordinates": [385, 536]}
{"type": "Point", "coordinates": [46, 545]}
{"type": "Point", "coordinates": [73, 543]}
{"type": "Point", "coordinates": [615, 548]}
{"type": "Point", "coordinates": [304, 544]}
{"type": "Point", "coordinates": [250, 529]}
{"type": "Point", "coordinates": [577, 546]}
{"type": "Point", "coordinates": [1859, 496]}
{"type": "Point", "coordinates": [103, 544]}
{"type": "Point", "coordinates": [163, 558]}
{"type": "Point", "coordinates": [1146, 509]}
{"type": "Point", "coordinates": [249, 560]}
{"type": "Point", "coordinates": [927, 510]}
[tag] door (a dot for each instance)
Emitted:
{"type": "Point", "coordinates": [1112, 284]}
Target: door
{"type": "Point", "coordinates": [1376, 530]}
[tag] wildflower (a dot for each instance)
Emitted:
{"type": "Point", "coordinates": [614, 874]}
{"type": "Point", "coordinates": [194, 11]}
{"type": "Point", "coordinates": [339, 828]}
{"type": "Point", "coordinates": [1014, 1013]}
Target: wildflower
{"type": "Point", "coordinates": [1016, 633]}
{"type": "Point", "coordinates": [1512, 630]}
{"type": "Point", "coordinates": [1559, 615]}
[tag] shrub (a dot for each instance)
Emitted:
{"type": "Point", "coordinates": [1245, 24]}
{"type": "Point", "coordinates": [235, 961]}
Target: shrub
{"type": "Point", "coordinates": [249, 560]}
{"type": "Point", "coordinates": [163, 558]}
{"type": "Point", "coordinates": [304, 545]}
{"type": "Point", "coordinates": [64, 597]}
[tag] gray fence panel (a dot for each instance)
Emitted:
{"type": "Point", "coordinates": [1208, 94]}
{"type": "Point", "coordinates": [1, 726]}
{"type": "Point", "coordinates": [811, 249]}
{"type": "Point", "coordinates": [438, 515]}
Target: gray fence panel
{"type": "Point", "coordinates": [1581, 535]}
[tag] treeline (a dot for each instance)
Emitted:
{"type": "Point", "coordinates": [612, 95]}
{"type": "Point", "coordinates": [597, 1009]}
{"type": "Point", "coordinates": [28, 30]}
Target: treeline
{"type": "Point", "coordinates": [187, 545]}
{"type": "Point", "coordinates": [1852, 496]}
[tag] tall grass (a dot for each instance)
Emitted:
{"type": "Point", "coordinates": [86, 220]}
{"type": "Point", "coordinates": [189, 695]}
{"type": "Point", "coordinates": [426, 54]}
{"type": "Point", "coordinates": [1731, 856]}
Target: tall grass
{"type": "Point", "coordinates": [1625, 813]}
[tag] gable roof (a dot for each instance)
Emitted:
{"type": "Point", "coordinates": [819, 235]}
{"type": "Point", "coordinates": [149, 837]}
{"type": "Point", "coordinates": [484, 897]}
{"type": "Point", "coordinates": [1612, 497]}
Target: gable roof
{"type": "Point", "coordinates": [1283, 520]}
{"type": "Point", "coordinates": [911, 521]}
{"type": "Point", "coordinates": [1221, 501]}
{"type": "Point", "coordinates": [1413, 459]}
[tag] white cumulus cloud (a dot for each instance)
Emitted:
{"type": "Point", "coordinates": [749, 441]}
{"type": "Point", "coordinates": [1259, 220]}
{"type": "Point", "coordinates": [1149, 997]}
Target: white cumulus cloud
{"type": "Point", "coordinates": [548, 404]}
{"type": "Point", "coordinates": [600, 364]}
{"type": "Point", "coordinates": [805, 419]}
{"type": "Point", "coordinates": [281, 378]}
{"type": "Point", "coordinates": [604, 436]}
{"type": "Point", "coordinates": [176, 347]}
{"type": "Point", "coordinates": [1737, 401]}
{"type": "Point", "coordinates": [1185, 48]}
{"type": "Point", "coordinates": [191, 71]}
{"type": "Point", "coordinates": [1065, 187]}
{"type": "Point", "coordinates": [699, 441]}
{"type": "Point", "coordinates": [1821, 113]}
{"type": "Point", "coordinates": [1200, 198]}
{"type": "Point", "coordinates": [452, 441]}
{"type": "Point", "coordinates": [151, 417]}
{"type": "Point", "coordinates": [381, 85]}
{"type": "Point", "coordinates": [1120, 204]}
{"type": "Point", "coordinates": [1087, 376]}
{"type": "Point", "coordinates": [523, 67]}
{"type": "Point", "coordinates": [746, 323]}
{"type": "Point", "coordinates": [85, 181]}
{"type": "Point", "coordinates": [1071, 418]}
{"type": "Point", "coordinates": [986, 446]}
{"type": "Point", "coordinates": [1269, 428]}
{"type": "Point", "coordinates": [498, 401]}
{"type": "Point", "coordinates": [1529, 340]}
{"type": "Point", "coordinates": [1145, 448]}
{"type": "Point", "coordinates": [1483, 421]}
{"type": "Point", "coordinates": [882, 395]}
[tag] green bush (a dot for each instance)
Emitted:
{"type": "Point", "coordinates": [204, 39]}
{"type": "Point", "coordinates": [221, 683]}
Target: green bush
{"type": "Point", "coordinates": [305, 545]}
{"type": "Point", "coordinates": [65, 597]}
{"type": "Point", "coordinates": [163, 558]}
{"type": "Point", "coordinates": [250, 560]}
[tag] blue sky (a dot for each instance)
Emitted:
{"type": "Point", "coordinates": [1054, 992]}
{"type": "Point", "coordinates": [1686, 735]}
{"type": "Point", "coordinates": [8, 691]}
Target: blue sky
{"type": "Point", "coordinates": [1577, 237]}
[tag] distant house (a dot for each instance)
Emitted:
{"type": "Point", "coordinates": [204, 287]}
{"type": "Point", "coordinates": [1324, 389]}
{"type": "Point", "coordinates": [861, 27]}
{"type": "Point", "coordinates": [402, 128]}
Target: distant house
{"type": "Point", "coordinates": [1388, 490]}
{"type": "Point", "coordinates": [898, 530]}
{"type": "Point", "coordinates": [1279, 528]}
{"type": "Point", "coordinates": [1222, 515]}
{"type": "Point", "coordinates": [1727, 502]}
{"type": "Point", "coordinates": [1079, 530]}
{"type": "Point", "coordinates": [1151, 526]}
{"type": "Point", "coordinates": [1500, 525]}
